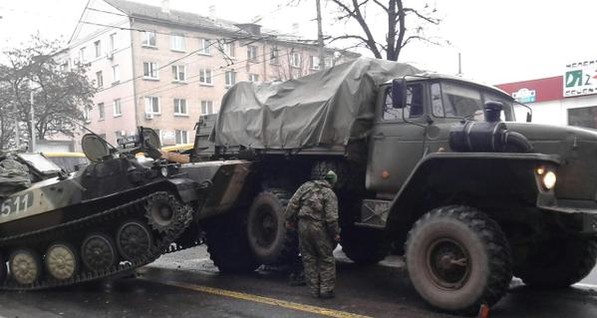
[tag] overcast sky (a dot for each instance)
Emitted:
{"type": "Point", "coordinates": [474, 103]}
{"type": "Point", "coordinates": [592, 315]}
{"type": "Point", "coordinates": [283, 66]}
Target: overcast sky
{"type": "Point", "coordinates": [500, 40]}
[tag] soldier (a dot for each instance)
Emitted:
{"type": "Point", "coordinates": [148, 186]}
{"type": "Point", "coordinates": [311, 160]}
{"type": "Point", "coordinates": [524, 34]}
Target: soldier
{"type": "Point", "coordinates": [315, 206]}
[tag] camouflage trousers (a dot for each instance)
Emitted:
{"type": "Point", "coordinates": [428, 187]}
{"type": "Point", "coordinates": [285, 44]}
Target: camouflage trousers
{"type": "Point", "coordinates": [316, 250]}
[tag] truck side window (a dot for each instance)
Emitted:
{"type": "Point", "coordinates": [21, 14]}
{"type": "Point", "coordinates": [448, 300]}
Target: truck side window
{"type": "Point", "coordinates": [414, 104]}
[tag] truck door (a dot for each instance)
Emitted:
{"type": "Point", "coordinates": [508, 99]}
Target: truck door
{"type": "Point", "coordinates": [397, 139]}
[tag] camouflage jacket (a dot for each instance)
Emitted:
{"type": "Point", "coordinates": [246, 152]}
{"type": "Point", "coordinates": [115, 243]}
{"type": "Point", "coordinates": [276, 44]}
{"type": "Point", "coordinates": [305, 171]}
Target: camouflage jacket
{"type": "Point", "coordinates": [316, 201]}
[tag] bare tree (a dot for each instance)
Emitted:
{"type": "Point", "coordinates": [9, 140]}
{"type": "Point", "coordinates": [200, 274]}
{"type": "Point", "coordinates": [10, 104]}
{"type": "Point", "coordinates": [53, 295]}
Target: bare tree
{"type": "Point", "coordinates": [7, 112]}
{"type": "Point", "coordinates": [398, 33]}
{"type": "Point", "coordinates": [60, 95]}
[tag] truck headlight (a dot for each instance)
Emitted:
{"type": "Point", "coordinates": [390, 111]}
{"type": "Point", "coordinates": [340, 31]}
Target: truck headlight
{"type": "Point", "coordinates": [549, 180]}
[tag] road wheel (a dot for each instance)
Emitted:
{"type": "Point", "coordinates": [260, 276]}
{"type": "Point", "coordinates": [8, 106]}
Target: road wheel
{"type": "Point", "coordinates": [160, 213]}
{"type": "Point", "coordinates": [227, 243]}
{"type": "Point", "coordinates": [458, 258]}
{"type": "Point", "coordinates": [364, 246]}
{"type": "Point", "coordinates": [98, 252]}
{"type": "Point", "coordinates": [25, 266]}
{"type": "Point", "coordinates": [61, 261]}
{"type": "Point", "coordinates": [269, 240]}
{"type": "Point", "coordinates": [3, 269]}
{"type": "Point", "coordinates": [558, 263]}
{"type": "Point", "coordinates": [133, 240]}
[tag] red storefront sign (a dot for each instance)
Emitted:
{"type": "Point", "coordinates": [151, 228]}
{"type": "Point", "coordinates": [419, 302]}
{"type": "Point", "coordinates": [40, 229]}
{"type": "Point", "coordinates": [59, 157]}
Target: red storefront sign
{"type": "Point", "coordinates": [539, 90]}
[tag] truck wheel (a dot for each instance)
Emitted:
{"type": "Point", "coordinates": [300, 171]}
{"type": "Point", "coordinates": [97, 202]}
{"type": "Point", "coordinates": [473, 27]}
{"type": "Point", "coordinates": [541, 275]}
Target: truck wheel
{"type": "Point", "coordinates": [458, 259]}
{"type": "Point", "coordinates": [270, 241]}
{"type": "Point", "coordinates": [558, 263]}
{"type": "Point", "coordinates": [364, 246]}
{"type": "Point", "coordinates": [227, 244]}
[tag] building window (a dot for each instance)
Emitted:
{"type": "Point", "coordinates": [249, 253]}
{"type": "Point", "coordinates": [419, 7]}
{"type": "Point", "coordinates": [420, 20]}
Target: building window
{"type": "Point", "coordinates": [152, 105]}
{"type": "Point", "coordinates": [115, 73]}
{"type": "Point", "coordinates": [150, 70]}
{"type": "Point", "coordinates": [329, 62]}
{"type": "Point", "coordinates": [149, 39]}
{"type": "Point", "coordinates": [181, 136]}
{"type": "Point", "coordinates": [180, 106]}
{"type": "Point", "coordinates": [204, 45]}
{"type": "Point", "coordinates": [82, 55]}
{"type": "Point", "coordinates": [98, 48]}
{"type": "Point", "coordinates": [177, 42]}
{"type": "Point", "coordinates": [252, 53]}
{"type": "Point", "coordinates": [207, 107]}
{"type": "Point", "coordinates": [254, 78]}
{"type": "Point", "coordinates": [583, 117]}
{"type": "Point", "coordinates": [205, 76]}
{"type": "Point", "coordinates": [117, 108]}
{"type": "Point", "coordinates": [315, 63]}
{"type": "Point", "coordinates": [112, 42]}
{"type": "Point", "coordinates": [179, 73]}
{"type": "Point", "coordinates": [273, 55]}
{"type": "Point", "coordinates": [295, 60]}
{"type": "Point", "coordinates": [228, 49]}
{"type": "Point", "coordinates": [87, 114]}
{"type": "Point", "coordinates": [101, 110]}
{"type": "Point", "coordinates": [99, 78]}
{"type": "Point", "coordinates": [230, 78]}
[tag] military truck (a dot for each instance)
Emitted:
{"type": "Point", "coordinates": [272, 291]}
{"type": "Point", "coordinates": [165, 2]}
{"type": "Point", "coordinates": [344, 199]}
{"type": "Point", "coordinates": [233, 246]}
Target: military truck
{"type": "Point", "coordinates": [436, 164]}
{"type": "Point", "coordinates": [113, 215]}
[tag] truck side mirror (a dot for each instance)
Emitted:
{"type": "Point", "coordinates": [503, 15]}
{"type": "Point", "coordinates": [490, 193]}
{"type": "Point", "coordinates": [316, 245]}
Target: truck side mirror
{"type": "Point", "coordinates": [398, 93]}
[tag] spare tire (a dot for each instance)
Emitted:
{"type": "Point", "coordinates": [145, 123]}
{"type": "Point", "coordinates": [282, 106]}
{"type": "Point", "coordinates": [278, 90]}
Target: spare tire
{"type": "Point", "coordinates": [269, 240]}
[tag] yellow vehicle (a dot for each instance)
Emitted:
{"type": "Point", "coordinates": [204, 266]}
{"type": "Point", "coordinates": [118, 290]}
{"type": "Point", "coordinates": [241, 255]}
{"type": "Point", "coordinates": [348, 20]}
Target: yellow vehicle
{"type": "Point", "coordinates": [182, 148]}
{"type": "Point", "coordinates": [67, 160]}
{"type": "Point", "coordinates": [176, 153]}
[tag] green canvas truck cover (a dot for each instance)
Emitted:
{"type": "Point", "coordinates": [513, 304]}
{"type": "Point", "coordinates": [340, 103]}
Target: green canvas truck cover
{"type": "Point", "coordinates": [325, 108]}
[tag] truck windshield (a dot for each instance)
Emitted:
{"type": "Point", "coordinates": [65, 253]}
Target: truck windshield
{"type": "Point", "coordinates": [454, 100]}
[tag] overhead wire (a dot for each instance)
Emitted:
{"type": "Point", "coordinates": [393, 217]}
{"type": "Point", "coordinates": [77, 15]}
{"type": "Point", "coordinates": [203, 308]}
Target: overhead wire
{"type": "Point", "coordinates": [220, 71]}
{"type": "Point", "coordinates": [169, 63]}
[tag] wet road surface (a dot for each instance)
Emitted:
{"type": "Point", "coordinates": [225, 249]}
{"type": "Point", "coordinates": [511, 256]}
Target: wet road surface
{"type": "Point", "coordinates": [186, 284]}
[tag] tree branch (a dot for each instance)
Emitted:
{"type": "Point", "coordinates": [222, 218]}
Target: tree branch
{"type": "Point", "coordinates": [420, 16]}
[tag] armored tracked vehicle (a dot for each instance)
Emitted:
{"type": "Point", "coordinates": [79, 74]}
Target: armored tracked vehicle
{"type": "Point", "coordinates": [113, 215]}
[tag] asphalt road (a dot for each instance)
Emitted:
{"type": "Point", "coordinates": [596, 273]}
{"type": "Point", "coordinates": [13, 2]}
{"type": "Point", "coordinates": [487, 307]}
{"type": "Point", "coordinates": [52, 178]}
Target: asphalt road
{"type": "Point", "coordinates": [186, 284]}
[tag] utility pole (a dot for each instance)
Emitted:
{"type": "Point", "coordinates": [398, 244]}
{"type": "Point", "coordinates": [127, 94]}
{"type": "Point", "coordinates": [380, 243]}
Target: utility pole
{"type": "Point", "coordinates": [320, 36]}
{"type": "Point", "coordinates": [17, 132]}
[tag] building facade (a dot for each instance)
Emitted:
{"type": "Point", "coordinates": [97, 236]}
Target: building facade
{"type": "Point", "coordinates": [568, 99]}
{"type": "Point", "coordinates": [160, 68]}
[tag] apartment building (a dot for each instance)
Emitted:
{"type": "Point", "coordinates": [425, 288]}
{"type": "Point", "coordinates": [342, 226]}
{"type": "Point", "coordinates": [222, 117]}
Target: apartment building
{"type": "Point", "coordinates": [161, 68]}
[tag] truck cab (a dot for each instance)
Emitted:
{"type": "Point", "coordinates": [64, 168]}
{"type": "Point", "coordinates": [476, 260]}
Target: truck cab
{"type": "Point", "coordinates": [418, 123]}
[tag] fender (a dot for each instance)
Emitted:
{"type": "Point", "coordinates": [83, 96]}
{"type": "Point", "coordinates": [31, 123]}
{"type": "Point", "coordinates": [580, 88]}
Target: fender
{"type": "Point", "coordinates": [480, 179]}
{"type": "Point", "coordinates": [187, 189]}
{"type": "Point", "coordinates": [225, 181]}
